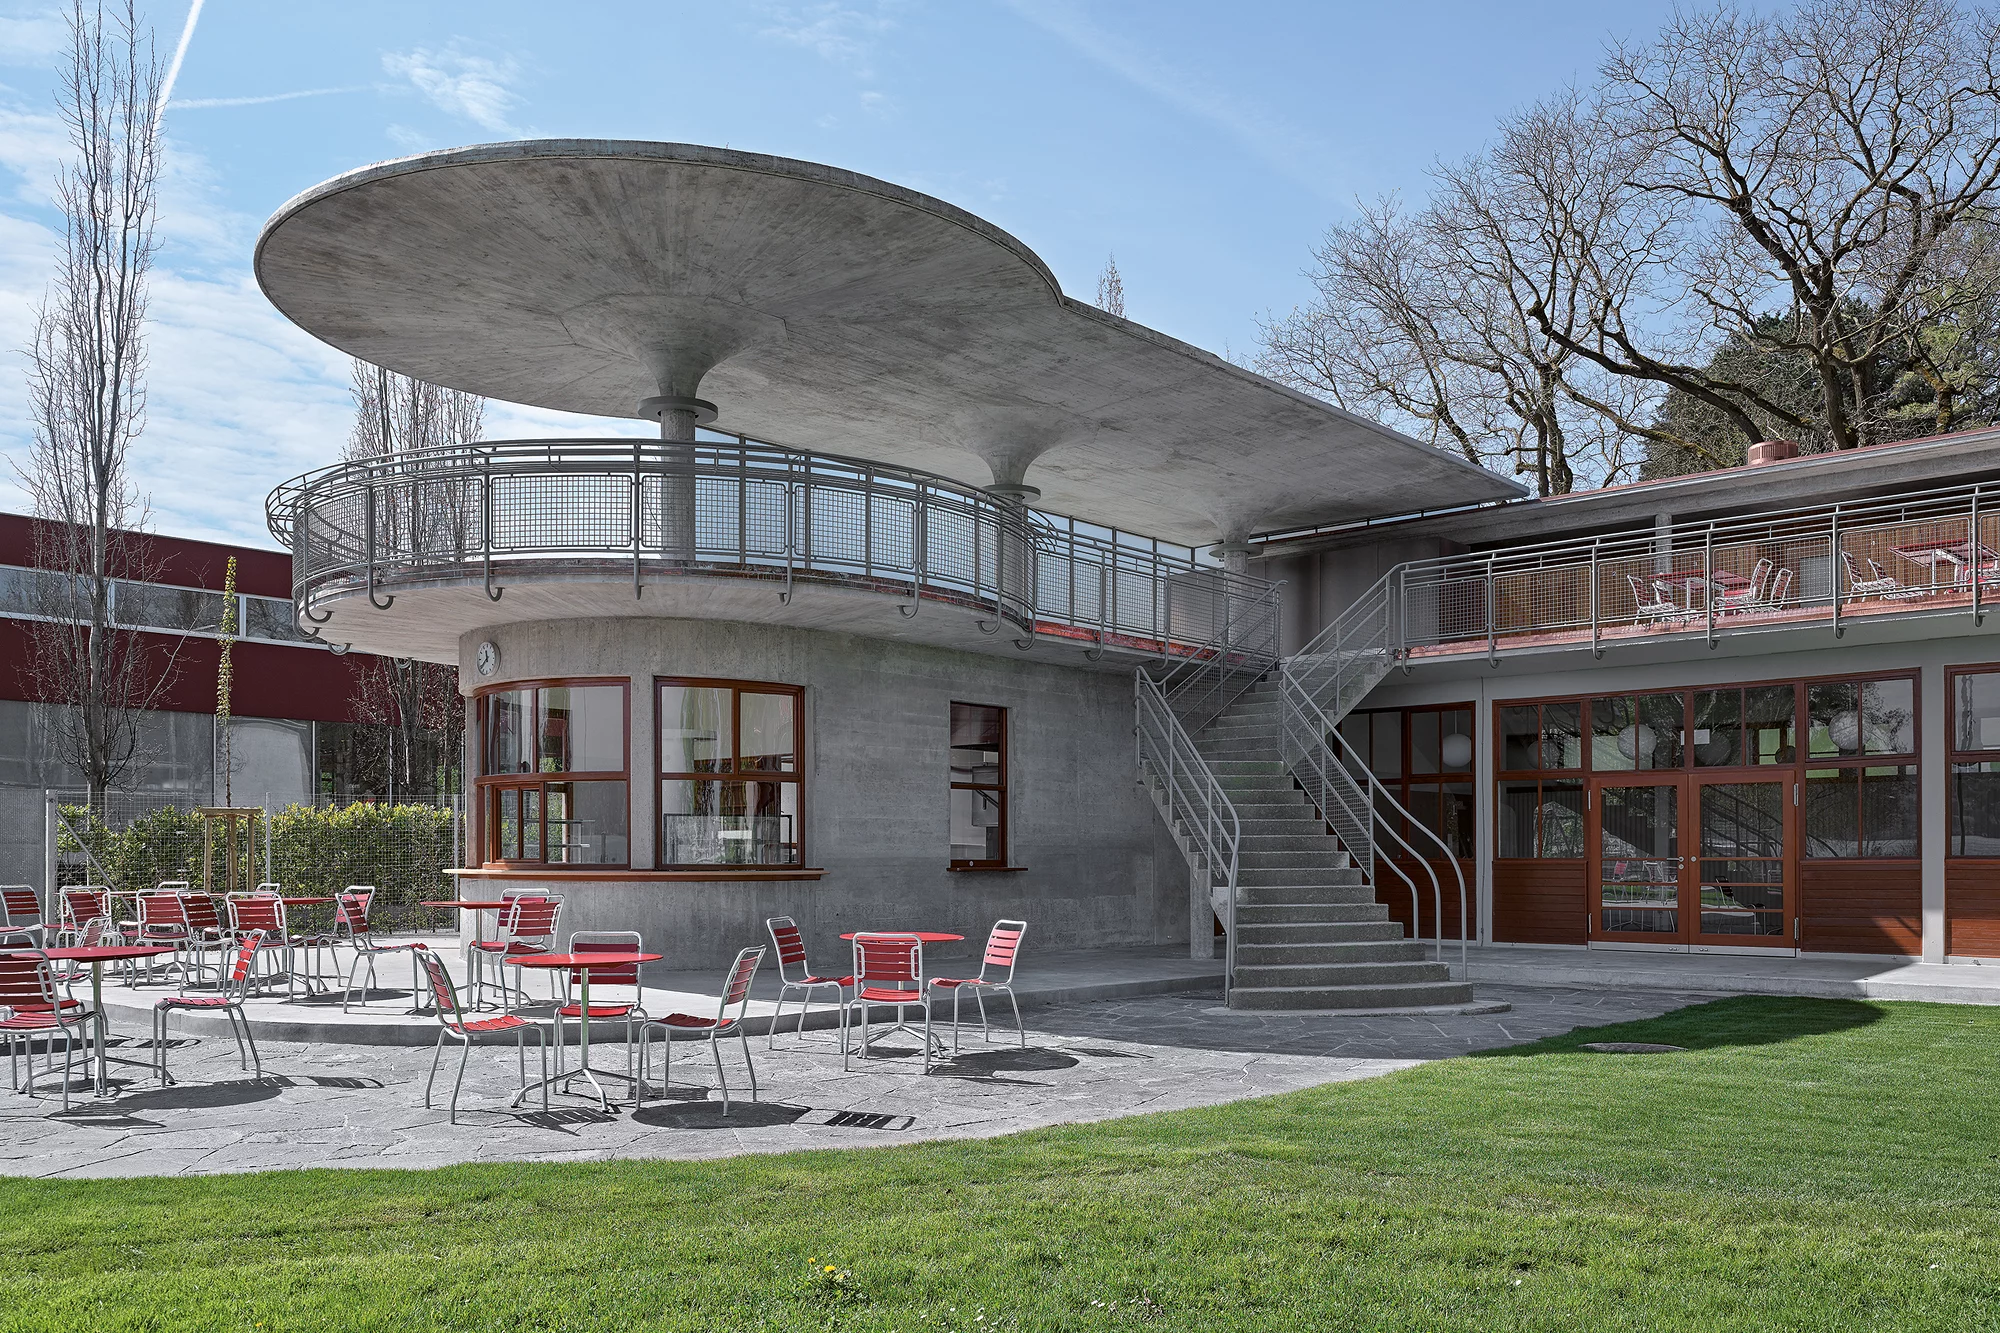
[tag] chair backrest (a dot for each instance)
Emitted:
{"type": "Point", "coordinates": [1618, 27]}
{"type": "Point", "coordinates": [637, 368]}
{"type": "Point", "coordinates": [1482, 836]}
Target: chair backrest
{"type": "Point", "coordinates": [531, 919]}
{"type": "Point", "coordinates": [162, 910]}
{"type": "Point", "coordinates": [1781, 588]}
{"type": "Point", "coordinates": [443, 993]}
{"type": "Point", "coordinates": [23, 906]}
{"type": "Point", "coordinates": [1759, 572]}
{"type": "Point", "coordinates": [245, 965]}
{"type": "Point", "coordinates": [96, 931]}
{"type": "Point", "coordinates": [257, 912]}
{"type": "Point", "coordinates": [1853, 570]}
{"type": "Point", "coordinates": [1881, 575]}
{"type": "Point", "coordinates": [882, 957]}
{"type": "Point", "coordinates": [172, 886]}
{"type": "Point", "coordinates": [1003, 946]}
{"type": "Point", "coordinates": [736, 984]}
{"type": "Point", "coordinates": [608, 941]}
{"type": "Point", "coordinates": [350, 912]}
{"type": "Point", "coordinates": [790, 944]}
{"type": "Point", "coordinates": [1639, 597]}
{"type": "Point", "coordinates": [203, 912]}
{"type": "Point", "coordinates": [82, 904]}
{"type": "Point", "coordinates": [27, 982]}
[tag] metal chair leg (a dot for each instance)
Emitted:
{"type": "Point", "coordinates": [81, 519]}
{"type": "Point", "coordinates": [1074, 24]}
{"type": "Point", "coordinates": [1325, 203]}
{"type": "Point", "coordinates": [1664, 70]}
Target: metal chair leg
{"type": "Point", "coordinates": [715, 1050]}
{"type": "Point", "coordinates": [464, 1054]}
{"type": "Point", "coordinates": [437, 1054]}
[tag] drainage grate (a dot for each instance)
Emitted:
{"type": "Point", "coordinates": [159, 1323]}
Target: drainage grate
{"type": "Point", "coordinates": [869, 1120]}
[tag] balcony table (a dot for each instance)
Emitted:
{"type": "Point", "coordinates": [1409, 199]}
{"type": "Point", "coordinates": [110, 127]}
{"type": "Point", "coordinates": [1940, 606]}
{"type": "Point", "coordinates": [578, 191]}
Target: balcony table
{"type": "Point", "coordinates": [97, 956]}
{"type": "Point", "coordinates": [581, 963]}
{"type": "Point", "coordinates": [1936, 555]}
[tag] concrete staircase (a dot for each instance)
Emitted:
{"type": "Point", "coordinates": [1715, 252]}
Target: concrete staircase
{"type": "Point", "coordinates": [1310, 934]}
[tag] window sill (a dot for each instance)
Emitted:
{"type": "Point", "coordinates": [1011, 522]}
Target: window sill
{"type": "Point", "coordinates": [719, 874]}
{"type": "Point", "coordinates": [984, 870]}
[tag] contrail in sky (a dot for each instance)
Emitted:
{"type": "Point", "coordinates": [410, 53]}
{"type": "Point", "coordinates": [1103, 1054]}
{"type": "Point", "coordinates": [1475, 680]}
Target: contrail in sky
{"type": "Point", "coordinates": [174, 69]}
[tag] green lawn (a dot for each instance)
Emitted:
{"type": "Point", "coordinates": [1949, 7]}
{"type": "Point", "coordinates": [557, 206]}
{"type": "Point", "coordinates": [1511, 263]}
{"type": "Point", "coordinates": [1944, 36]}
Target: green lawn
{"type": "Point", "coordinates": [1809, 1164]}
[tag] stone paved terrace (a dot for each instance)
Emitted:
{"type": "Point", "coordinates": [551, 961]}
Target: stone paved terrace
{"type": "Point", "coordinates": [332, 1104]}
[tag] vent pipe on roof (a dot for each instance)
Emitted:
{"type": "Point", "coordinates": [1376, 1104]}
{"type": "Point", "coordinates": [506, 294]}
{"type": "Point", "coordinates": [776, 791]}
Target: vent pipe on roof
{"type": "Point", "coordinates": [1771, 451]}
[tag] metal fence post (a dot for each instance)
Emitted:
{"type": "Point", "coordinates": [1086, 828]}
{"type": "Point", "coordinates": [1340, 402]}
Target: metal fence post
{"type": "Point", "coordinates": [267, 839]}
{"type": "Point", "coordinates": [1596, 644]}
{"type": "Point", "coordinates": [52, 825]}
{"type": "Point", "coordinates": [1976, 552]}
{"type": "Point", "coordinates": [1833, 569]}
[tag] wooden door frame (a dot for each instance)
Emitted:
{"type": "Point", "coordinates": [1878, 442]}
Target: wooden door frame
{"type": "Point", "coordinates": [1594, 855]}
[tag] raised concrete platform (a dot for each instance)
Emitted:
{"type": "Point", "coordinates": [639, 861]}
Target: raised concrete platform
{"type": "Point", "coordinates": [1834, 977]}
{"type": "Point", "coordinates": [1044, 979]}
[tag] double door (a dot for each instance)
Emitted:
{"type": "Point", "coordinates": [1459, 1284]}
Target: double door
{"type": "Point", "coordinates": [1693, 862]}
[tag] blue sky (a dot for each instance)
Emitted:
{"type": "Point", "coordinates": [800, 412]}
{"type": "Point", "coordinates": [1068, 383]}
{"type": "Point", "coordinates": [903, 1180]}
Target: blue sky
{"type": "Point", "coordinates": [1207, 145]}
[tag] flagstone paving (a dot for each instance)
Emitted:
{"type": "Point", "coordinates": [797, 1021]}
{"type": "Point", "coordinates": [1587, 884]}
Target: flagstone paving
{"type": "Point", "coordinates": [329, 1105]}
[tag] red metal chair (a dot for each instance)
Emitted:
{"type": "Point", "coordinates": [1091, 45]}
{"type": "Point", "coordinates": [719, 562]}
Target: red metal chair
{"type": "Point", "coordinates": [163, 922]}
{"type": "Point", "coordinates": [265, 912]}
{"type": "Point", "coordinates": [21, 916]}
{"type": "Point", "coordinates": [888, 969]}
{"type": "Point", "coordinates": [207, 930]}
{"type": "Point", "coordinates": [604, 941]}
{"type": "Point", "coordinates": [34, 1010]}
{"type": "Point", "coordinates": [1003, 950]}
{"type": "Point", "coordinates": [452, 1022]}
{"type": "Point", "coordinates": [735, 991]}
{"type": "Point", "coordinates": [528, 925]}
{"type": "Point", "coordinates": [791, 947]}
{"type": "Point", "coordinates": [351, 925]}
{"type": "Point", "coordinates": [81, 905]}
{"type": "Point", "coordinates": [234, 987]}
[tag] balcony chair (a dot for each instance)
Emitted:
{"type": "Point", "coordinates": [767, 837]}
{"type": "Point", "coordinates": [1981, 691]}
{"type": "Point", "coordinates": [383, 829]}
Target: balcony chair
{"type": "Point", "coordinates": [452, 1022]}
{"type": "Point", "coordinates": [1003, 950]}
{"type": "Point", "coordinates": [232, 988]}
{"type": "Point", "coordinates": [1781, 590]}
{"type": "Point", "coordinates": [1750, 597]}
{"type": "Point", "coordinates": [1880, 585]}
{"type": "Point", "coordinates": [888, 969]}
{"type": "Point", "coordinates": [527, 926]}
{"type": "Point", "coordinates": [34, 1011]}
{"type": "Point", "coordinates": [791, 949]}
{"type": "Point", "coordinates": [735, 991]}
{"type": "Point", "coordinates": [1654, 608]}
{"type": "Point", "coordinates": [351, 926]}
{"type": "Point", "coordinates": [634, 1013]}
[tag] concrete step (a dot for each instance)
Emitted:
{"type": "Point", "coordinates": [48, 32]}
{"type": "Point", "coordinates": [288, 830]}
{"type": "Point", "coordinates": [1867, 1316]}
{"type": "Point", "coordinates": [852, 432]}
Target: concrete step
{"type": "Point", "coordinates": [1416, 995]}
{"type": "Point", "coordinates": [1378, 945]}
{"type": "Point", "coordinates": [1282, 822]}
{"type": "Point", "coordinates": [1283, 860]}
{"type": "Point", "coordinates": [1330, 920]}
{"type": "Point", "coordinates": [1309, 913]}
{"type": "Point", "coordinates": [1279, 895]}
{"type": "Point", "coordinates": [1337, 876]}
{"type": "Point", "coordinates": [1318, 842]}
{"type": "Point", "coordinates": [1404, 971]}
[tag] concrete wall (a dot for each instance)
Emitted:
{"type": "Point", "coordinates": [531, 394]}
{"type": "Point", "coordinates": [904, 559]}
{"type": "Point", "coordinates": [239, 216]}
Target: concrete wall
{"type": "Point", "coordinates": [1319, 585]}
{"type": "Point", "coordinates": [1096, 865]}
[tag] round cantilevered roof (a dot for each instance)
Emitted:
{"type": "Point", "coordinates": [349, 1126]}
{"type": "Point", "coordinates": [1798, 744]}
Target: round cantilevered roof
{"type": "Point", "coordinates": [824, 309]}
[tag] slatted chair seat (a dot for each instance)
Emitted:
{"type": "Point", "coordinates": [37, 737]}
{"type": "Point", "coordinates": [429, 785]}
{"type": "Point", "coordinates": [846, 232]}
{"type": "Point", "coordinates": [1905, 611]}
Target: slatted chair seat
{"type": "Point", "coordinates": [596, 1010]}
{"type": "Point", "coordinates": [23, 1021]}
{"type": "Point", "coordinates": [883, 995]}
{"type": "Point", "coordinates": [235, 984]}
{"type": "Point", "coordinates": [735, 993]}
{"type": "Point", "coordinates": [1003, 951]}
{"type": "Point", "coordinates": [452, 1022]}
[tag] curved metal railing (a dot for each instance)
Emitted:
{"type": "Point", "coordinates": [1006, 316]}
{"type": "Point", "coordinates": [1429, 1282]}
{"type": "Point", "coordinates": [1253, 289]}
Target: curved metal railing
{"type": "Point", "coordinates": [1191, 800]}
{"type": "Point", "coordinates": [522, 509]}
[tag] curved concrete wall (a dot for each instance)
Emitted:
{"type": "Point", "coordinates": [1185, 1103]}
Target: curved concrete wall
{"type": "Point", "coordinates": [1098, 866]}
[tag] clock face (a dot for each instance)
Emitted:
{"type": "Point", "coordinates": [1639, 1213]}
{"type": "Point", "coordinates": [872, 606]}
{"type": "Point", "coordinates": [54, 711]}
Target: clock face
{"type": "Point", "coordinates": [488, 659]}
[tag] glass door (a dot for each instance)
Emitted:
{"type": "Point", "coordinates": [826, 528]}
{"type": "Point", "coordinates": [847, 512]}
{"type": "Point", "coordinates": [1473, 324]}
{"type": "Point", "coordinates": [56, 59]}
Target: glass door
{"type": "Point", "coordinates": [1742, 871]}
{"type": "Point", "coordinates": [1637, 863]}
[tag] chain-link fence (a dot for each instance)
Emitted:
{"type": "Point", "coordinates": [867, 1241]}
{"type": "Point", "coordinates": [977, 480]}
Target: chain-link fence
{"type": "Point", "coordinates": [135, 840]}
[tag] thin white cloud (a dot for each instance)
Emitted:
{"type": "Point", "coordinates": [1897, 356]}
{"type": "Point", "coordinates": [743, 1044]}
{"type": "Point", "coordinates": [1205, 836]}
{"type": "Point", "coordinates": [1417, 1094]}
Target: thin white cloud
{"type": "Point", "coordinates": [202, 103]}
{"type": "Point", "coordinates": [32, 41]}
{"type": "Point", "coordinates": [1293, 151]}
{"type": "Point", "coordinates": [833, 31]}
{"type": "Point", "coordinates": [470, 87]}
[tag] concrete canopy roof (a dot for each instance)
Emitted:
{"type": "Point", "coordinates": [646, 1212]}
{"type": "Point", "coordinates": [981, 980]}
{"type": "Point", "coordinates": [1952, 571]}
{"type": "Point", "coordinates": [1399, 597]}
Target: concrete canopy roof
{"type": "Point", "coordinates": [818, 309]}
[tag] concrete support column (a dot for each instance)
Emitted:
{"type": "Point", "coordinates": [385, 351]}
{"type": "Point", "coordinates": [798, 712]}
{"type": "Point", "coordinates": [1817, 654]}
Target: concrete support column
{"type": "Point", "coordinates": [1933, 761]}
{"type": "Point", "coordinates": [1201, 914]}
{"type": "Point", "coordinates": [645, 789]}
{"type": "Point", "coordinates": [1235, 553]}
{"type": "Point", "coordinates": [678, 418]}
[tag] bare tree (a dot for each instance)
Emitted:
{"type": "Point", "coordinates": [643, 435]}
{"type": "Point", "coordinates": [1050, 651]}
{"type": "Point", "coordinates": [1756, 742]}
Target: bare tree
{"type": "Point", "coordinates": [1817, 164]}
{"type": "Point", "coordinates": [1111, 288]}
{"type": "Point", "coordinates": [87, 401]}
{"type": "Point", "coordinates": [416, 701]}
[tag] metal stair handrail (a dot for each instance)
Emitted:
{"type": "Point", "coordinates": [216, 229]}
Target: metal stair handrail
{"type": "Point", "coordinates": [1384, 797]}
{"type": "Point", "coordinates": [1190, 796]}
{"type": "Point", "coordinates": [1203, 684]}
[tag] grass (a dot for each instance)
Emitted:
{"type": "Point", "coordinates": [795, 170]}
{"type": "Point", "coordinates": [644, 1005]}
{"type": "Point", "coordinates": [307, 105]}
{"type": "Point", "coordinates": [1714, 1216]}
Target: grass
{"type": "Point", "coordinates": [1806, 1165]}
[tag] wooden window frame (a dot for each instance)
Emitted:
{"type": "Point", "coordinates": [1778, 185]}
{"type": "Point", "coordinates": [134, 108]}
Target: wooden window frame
{"type": "Point", "coordinates": [1400, 785]}
{"type": "Point", "coordinates": [1954, 756]}
{"type": "Point", "coordinates": [1001, 787]}
{"type": "Point", "coordinates": [797, 777]}
{"type": "Point", "coordinates": [487, 787]}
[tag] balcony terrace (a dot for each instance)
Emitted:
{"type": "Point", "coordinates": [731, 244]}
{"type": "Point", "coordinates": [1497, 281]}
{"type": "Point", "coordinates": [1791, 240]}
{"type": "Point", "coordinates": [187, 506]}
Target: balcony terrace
{"type": "Point", "coordinates": [407, 551]}
{"type": "Point", "coordinates": [1854, 566]}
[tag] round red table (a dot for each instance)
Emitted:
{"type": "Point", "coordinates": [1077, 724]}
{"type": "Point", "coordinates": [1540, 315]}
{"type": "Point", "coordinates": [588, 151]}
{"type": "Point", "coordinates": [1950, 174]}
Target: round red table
{"type": "Point", "coordinates": [97, 956]}
{"type": "Point", "coordinates": [927, 936]}
{"type": "Point", "coordinates": [581, 963]}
